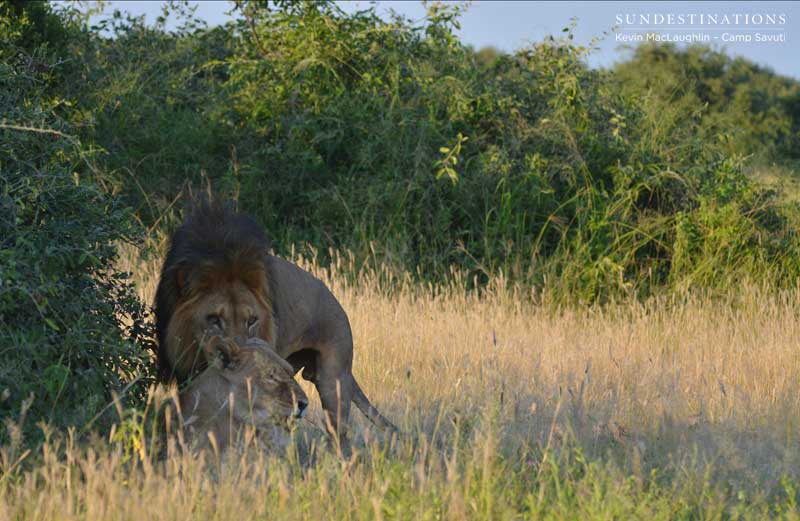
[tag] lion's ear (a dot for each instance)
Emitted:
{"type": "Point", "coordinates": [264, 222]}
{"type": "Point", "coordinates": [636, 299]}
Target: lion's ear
{"type": "Point", "coordinates": [180, 279]}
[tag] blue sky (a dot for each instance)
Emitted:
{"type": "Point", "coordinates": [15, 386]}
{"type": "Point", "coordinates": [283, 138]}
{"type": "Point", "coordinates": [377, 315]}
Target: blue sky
{"type": "Point", "coordinates": [509, 25]}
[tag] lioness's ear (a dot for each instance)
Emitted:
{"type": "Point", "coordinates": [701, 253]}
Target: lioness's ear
{"type": "Point", "coordinates": [222, 354]}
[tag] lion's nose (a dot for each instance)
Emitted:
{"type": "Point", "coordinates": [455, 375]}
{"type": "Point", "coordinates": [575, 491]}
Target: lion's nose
{"type": "Point", "coordinates": [301, 408]}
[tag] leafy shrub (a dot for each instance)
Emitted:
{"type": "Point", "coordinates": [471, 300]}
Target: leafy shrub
{"type": "Point", "coordinates": [71, 328]}
{"type": "Point", "coordinates": [759, 109]}
{"type": "Point", "coordinates": [395, 141]}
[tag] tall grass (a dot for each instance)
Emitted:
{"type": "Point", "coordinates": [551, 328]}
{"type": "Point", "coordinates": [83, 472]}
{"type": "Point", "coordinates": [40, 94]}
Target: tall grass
{"type": "Point", "coordinates": [684, 407]}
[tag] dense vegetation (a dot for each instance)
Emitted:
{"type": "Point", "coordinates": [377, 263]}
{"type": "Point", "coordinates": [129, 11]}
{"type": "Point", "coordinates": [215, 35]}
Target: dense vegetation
{"type": "Point", "coordinates": [398, 143]}
{"type": "Point", "coordinates": [71, 328]}
{"type": "Point", "coordinates": [388, 139]}
{"type": "Point", "coordinates": [759, 112]}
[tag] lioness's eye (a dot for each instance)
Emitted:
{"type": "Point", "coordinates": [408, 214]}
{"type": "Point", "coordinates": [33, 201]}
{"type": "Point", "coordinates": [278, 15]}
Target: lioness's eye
{"type": "Point", "coordinates": [214, 321]}
{"type": "Point", "coordinates": [251, 321]}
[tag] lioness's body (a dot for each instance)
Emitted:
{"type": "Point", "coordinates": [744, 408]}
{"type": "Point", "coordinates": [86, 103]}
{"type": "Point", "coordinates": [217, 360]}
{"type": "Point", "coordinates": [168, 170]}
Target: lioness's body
{"type": "Point", "coordinates": [219, 279]}
{"type": "Point", "coordinates": [248, 386]}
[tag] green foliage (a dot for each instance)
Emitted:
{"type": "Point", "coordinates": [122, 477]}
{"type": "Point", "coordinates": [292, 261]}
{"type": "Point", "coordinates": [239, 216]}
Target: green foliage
{"type": "Point", "coordinates": [30, 25]}
{"type": "Point", "coordinates": [397, 142]}
{"type": "Point", "coordinates": [71, 328]}
{"type": "Point", "coordinates": [758, 109]}
{"type": "Point", "coordinates": [393, 140]}
{"type": "Point", "coordinates": [155, 89]}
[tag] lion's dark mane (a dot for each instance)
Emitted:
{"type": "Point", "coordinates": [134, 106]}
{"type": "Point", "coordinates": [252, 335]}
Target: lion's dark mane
{"type": "Point", "coordinates": [214, 242]}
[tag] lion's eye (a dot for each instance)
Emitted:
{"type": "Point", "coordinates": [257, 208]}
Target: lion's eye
{"type": "Point", "coordinates": [251, 321]}
{"type": "Point", "coordinates": [214, 321]}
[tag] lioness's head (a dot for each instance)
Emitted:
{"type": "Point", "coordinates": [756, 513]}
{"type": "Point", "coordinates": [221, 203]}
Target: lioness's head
{"type": "Point", "coordinates": [248, 385]}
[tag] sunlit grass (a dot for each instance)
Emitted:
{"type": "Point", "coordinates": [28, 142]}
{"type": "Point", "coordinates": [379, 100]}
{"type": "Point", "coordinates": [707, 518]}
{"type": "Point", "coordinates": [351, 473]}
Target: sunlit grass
{"type": "Point", "coordinates": [785, 178]}
{"type": "Point", "coordinates": [675, 408]}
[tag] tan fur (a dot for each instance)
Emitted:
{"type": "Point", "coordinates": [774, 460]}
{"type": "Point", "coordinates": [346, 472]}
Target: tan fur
{"type": "Point", "coordinates": [243, 387]}
{"type": "Point", "coordinates": [218, 279]}
{"type": "Point", "coordinates": [313, 333]}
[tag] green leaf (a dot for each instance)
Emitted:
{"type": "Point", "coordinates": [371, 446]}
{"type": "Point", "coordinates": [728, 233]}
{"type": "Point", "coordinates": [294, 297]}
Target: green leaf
{"type": "Point", "coordinates": [52, 324]}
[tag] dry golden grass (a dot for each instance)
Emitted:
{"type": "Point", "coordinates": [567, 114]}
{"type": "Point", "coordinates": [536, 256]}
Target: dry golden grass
{"type": "Point", "coordinates": [672, 408]}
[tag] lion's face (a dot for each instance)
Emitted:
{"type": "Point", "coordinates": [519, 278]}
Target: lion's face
{"type": "Point", "coordinates": [231, 310]}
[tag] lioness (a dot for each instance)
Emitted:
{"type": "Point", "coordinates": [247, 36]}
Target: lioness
{"type": "Point", "coordinates": [242, 386]}
{"type": "Point", "coordinates": [218, 278]}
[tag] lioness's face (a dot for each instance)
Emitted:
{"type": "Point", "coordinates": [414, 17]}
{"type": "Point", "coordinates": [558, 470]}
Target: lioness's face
{"type": "Point", "coordinates": [265, 393]}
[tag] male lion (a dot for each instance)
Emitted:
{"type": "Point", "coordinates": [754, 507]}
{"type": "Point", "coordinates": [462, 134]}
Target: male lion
{"type": "Point", "coordinates": [219, 279]}
{"type": "Point", "coordinates": [241, 387]}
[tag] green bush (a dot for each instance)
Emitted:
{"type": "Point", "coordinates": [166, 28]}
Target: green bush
{"type": "Point", "coordinates": [398, 142]}
{"type": "Point", "coordinates": [395, 141]}
{"type": "Point", "coordinates": [759, 109]}
{"type": "Point", "coordinates": [71, 328]}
